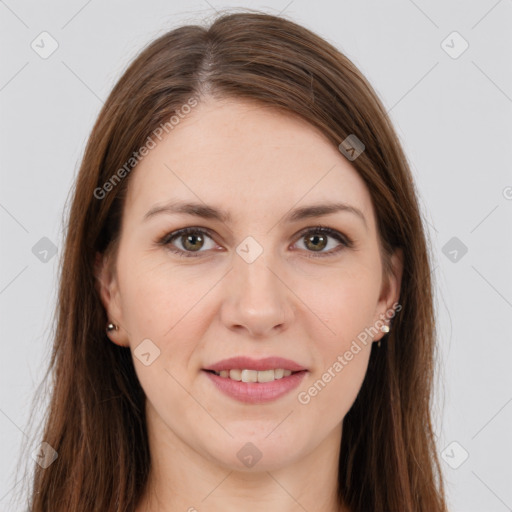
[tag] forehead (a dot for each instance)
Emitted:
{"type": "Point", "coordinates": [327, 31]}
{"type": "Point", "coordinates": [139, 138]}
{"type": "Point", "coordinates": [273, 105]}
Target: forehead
{"type": "Point", "coordinates": [246, 158]}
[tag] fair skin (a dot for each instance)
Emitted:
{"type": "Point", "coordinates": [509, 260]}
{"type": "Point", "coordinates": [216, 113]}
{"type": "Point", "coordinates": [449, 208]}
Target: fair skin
{"type": "Point", "coordinates": [258, 165]}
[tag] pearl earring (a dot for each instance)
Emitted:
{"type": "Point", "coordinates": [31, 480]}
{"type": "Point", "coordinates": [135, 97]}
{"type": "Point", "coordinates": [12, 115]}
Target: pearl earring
{"type": "Point", "coordinates": [385, 330]}
{"type": "Point", "coordinates": [111, 327]}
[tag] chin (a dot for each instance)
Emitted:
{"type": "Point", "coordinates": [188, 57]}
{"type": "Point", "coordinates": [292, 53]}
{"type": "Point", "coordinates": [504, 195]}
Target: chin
{"type": "Point", "coordinates": [257, 452]}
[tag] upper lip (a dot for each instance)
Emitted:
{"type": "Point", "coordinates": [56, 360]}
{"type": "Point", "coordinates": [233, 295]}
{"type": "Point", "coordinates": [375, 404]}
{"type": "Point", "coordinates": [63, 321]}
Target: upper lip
{"type": "Point", "coordinates": [248, 363]}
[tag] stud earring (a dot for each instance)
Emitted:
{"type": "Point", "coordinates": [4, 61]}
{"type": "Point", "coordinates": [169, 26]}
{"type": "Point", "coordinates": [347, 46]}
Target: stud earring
{"type": "Point", "coordinates": [111, 327]}
{"type": "Point", "coordinates": [385, 330]}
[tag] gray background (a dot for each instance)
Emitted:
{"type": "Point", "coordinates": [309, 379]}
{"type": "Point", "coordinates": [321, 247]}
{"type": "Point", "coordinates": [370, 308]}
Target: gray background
{"type": "Point", "coordinates": [452, 115]}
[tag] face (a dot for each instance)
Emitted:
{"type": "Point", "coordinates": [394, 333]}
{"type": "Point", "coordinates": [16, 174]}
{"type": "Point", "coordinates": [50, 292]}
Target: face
{"type": "Point", "coordinates": [259, 274]}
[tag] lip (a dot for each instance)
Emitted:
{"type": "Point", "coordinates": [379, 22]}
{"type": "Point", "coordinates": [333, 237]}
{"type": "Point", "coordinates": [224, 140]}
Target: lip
{"type": "Point", "coordinates": [256, 392]}
{"type": "Point", "coordinates": [247, 363]}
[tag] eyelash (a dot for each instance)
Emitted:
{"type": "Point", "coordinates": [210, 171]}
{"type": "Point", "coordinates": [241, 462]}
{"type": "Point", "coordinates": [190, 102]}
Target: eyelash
{"type": "Point", "coordinates": [324, 230]}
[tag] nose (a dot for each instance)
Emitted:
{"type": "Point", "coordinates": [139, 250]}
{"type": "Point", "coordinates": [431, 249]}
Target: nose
{"type": "Point", "coordinates": [257, 299]}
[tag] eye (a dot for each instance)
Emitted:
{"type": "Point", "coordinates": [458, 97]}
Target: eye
{"type": "Point", "coordinates": [192, 240]}
{"type": "Point", "coordinates": [316, 239]}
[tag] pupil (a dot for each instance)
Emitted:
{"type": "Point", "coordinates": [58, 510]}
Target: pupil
{"type": "Point", "coordinates": [189, 241]}
{"type": "Point", "coordinates": [316, 238]}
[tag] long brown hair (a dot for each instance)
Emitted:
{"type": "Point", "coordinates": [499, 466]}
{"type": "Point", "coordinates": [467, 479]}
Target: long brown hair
{"type": "Point", "coordinates": [95, 420]}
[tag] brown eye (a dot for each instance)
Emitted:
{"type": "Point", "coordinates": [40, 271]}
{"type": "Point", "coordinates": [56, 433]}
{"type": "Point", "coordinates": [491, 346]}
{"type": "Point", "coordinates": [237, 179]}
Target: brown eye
{"type": "Point", "coordinates": [192, 242]}
{"type": "Point", "coordinates": [316, 242]}
{"type": "Point", "coordinates": [188, 241]}
{"type": "Point", "coordinates": [319, 238]}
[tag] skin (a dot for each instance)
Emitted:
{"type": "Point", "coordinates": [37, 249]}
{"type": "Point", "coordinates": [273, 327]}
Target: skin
{"type": "Point", "coordinates": [258, 164]}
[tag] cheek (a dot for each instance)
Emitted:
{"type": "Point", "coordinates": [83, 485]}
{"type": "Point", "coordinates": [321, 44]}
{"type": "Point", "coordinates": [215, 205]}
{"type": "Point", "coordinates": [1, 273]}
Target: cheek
{"type": "Point", "coordinates": [345, 301]}
{"type": "Point", "coordinates": [347, 307]}
{"type": "Point", "coordinates": [156, 294]}
{"type": "Point", "coordinates": [343, 351]}
{"type": "Point", "coordinates": [161, 305]}
{"type": "Point", "coordinates": [169, 304]}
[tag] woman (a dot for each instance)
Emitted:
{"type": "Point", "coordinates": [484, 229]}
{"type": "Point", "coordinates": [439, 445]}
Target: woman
{"type": "Point", "coordinates": [245, 314]}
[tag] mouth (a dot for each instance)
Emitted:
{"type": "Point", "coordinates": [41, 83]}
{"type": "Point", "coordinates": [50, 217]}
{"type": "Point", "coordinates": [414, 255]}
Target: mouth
{"type": "Point", "coordinates": [255, 381]}
{"type": "Point", "coordinates": [246, 375]}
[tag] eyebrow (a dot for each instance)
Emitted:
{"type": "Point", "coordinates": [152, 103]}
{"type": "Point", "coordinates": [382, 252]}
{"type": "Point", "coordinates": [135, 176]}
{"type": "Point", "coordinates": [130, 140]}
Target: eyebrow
{"type": "Point", "coordinates": [208, 212]}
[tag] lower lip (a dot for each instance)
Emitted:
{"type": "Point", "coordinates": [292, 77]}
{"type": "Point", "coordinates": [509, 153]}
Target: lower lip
{"type": "Point", "coordinates": [256, 392]}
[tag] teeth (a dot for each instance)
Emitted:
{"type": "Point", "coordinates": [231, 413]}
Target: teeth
{"type": "Point", "coordinates": [254, 375]}
{"type": "Point", "coordinates": [278, 374]}
{"type": "Point", "coordinates": [266, 376]}
{"type": "Point", "coordinates": [250, 376]}
{"type": "Point", "coordinates": [235, 374]}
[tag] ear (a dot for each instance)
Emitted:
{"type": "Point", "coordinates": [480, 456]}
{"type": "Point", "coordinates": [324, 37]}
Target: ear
{"type": "Point", "coordinates": [108, 290]}
{"type": "Point", "coordinates": [390, 293]}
